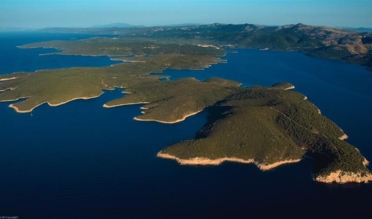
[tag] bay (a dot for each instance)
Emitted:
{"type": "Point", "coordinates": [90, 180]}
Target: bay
{"type": "Point", "coordinates": [14, 59]}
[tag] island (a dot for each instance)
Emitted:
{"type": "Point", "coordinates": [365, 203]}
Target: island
{"type": "Point", "coordinates": [267, 126]}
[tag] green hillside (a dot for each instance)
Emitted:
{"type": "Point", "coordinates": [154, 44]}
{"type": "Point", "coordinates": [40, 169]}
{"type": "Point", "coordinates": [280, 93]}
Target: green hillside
{"type": "Point", "coordinates": [270, 126]}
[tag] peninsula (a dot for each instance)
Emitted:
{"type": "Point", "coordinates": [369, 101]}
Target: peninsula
{"type": "Point", "coordinates": [63, 85]}
{"type": "Point", "coordinates": [270, 127]}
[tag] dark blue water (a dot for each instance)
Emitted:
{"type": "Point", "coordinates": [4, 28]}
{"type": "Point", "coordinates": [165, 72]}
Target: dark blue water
{"type": "Point", "coordinates": [342, 91]}
{"type": "Point", "coordinates": [80, 160]}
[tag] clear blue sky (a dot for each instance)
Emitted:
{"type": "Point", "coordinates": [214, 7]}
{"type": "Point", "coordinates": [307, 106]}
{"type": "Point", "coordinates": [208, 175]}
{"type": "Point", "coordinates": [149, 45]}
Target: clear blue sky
{"type": "Point", "coordinates": [85, 13]}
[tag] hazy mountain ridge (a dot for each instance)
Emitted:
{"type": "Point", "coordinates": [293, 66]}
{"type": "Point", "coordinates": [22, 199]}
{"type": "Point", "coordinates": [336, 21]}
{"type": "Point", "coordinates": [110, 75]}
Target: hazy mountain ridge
{"type": "Point", "coordinates": [119, 25]}
{"type": "Point", "coordinates": [319, 41]}
{"type": "Point", "coordinates": [358, 29]}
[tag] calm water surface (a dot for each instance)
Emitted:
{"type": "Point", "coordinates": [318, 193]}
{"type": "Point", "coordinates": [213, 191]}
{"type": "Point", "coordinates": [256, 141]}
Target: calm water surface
{"type": "Point", "coordinates": [80, 160]}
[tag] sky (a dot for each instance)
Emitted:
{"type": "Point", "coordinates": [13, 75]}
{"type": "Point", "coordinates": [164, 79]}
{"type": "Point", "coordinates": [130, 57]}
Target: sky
{"type": "Point", "coordinates": [87, 13]}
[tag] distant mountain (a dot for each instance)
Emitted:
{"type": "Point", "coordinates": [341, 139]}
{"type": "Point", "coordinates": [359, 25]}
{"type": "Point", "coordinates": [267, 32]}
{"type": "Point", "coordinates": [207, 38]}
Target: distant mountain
{"type": "Point", "coordinates": [181, 25]}
{"type": "Point", "coordinates": [358, 29]}
{"type": "Point", "coordinates": [125, 25]}
{"type": "Point", "coordinates": [11, 29]}
{"type": "Point", "coordinates": [119, 25]}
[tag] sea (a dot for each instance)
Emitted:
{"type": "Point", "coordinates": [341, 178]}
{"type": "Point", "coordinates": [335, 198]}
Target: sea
{"type": "Point", "coordinates": [80, 160]}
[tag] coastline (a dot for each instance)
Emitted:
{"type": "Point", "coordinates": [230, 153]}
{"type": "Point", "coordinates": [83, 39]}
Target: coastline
{"type": "Point", "coordinates": [319, 112]}
{"type": "Point", "coordinates": [24, 111]}
{"type": "Point", "coordinates": [339, 176]}
{"type": "Point", "coordinates": [165, 122]}
{"type": "Point", "coordinates": [50, 104]}
{"type": "Point", "coordinates": [124, 104]}
{"type": "Point", "coordinates": [11, 88]}
{"type": "Point", "coordinates": [290, 88]}
{"type": "Point", "coordinates": [342, 177]}
{"type": "Point", "coordinates": [206, 161]}
{"type": "Point", "coordinates": [343, 137]}
{"type": "Point", "coordinates": [7, 79]}
{"type": "Point", "coordinates": [365, 162]}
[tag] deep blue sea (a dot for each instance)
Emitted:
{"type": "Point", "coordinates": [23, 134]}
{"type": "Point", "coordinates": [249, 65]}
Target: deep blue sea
{"type": "Point", "coordinates": [81, 160]}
